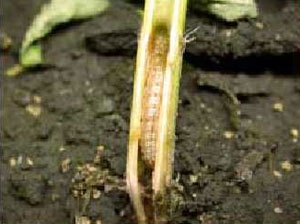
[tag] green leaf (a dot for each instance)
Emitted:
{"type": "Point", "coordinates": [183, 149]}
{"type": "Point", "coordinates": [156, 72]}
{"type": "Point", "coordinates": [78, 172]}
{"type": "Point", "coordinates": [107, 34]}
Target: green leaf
{"type": "Point", "coordinates": [228, 10]}
{"type": "Point", "coordinates": [51, 15]}
{"type": "Point", "coordinates": [32, 56]}
{"type": "Point", "coordinates": [232, 10]}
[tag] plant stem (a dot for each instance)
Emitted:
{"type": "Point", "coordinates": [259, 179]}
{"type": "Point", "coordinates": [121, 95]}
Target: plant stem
{"type": "Point", "coordinates": [159, 54]}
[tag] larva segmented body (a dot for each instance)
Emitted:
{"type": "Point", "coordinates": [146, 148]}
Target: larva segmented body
{"type": "Point", "coordinates": [152, 97]}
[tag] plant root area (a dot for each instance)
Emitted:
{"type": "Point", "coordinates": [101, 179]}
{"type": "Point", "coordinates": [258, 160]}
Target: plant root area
{"type": "Point", "coordinates": [65, 125]}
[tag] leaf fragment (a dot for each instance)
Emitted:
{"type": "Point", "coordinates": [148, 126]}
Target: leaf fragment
{"type": "Point", "coordinates": [228, 10]}
{"type": "Point", "coordinates": [51, 15]}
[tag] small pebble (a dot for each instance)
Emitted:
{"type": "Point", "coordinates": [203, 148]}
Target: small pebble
{"type": "Point", "coordinates": [5, 42]}
{"type": "Point", "coordinates": [82, 220]}
{"type": "Point", "coordinates": [12, 162]}
{"type": "Point", "coordinates": [193, 179]}
{"type": "Point", "coordinates": [79, 168]}
{"type": "Point", "coordinates": [228, 33]}
{"type": "Point", "coordinates": [108, 188]}
{"type": "Point", "coordinates": [278, 210]}
{"type": "Point", "coordinates": [65, 165]}
{"type": "Point", "coordinates": [278, 107]}
{"type": "Point", "coordinates": [96, 194]}
{"type": "Point", "coordinates": [34, 110]}
{"type": "Point", "coordinates": [259, 25]}
{"type": "Point", "coordinates": [75, 193]}
{"type": "Point", "coordinates": [295, 140]}
{"type": "Point", "coordinates": [259, 117]}
{"type": "Point", "coordinates": [122, 213]}
{"type": "Point", "coordinates": [228, 134]}
{"type": "Point", "coordinates": [236, 190]}
{"type": "Point", "coordinates": [246, 174]}
{"type": "Point", "coordinates": [37, 99]}
{"type": "Point", "coordinates": [91, 168]}
{"type": "Point", "coordinates": [200, 218]}
{"type": "Point", "coordinates": [50, 183]}
{"type": "Point", "coordinates": [286, 165]}
{"type": "Point", "coordinates": [97, 159]}
{"type": "Point", "coordinates": [61, 149]}
{"type": "Point", "coordinates": [177, 179]}
{"type": "Point", "coordinates": [29, 161]}
{"type": "Point", "coordinates": [294, 133]}
{"type": "Point", "coordinates": [100, 148]}
{"type": "Point", "coordinates": [277, 37]}
{"type": "Point", "coordinates": [54, 197]}
{"type": "Point", "coordinates": [277, 174]}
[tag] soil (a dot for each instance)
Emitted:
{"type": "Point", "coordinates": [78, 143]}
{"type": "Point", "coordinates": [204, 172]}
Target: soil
{"type": "Point", "coordinates": [237, 157]}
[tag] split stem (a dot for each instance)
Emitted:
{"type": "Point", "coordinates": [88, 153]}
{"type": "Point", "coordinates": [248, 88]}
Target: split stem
{"type": "Point", "coordinates": [165, 20]}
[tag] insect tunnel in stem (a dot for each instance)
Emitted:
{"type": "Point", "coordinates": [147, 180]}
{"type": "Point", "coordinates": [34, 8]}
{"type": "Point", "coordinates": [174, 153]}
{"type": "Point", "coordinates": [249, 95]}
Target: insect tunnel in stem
{"type": "Point", "coordinates": [154, 105]}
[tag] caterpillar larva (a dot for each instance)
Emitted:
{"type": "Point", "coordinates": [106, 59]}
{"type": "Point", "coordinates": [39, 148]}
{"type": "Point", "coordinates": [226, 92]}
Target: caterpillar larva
{"type": "Point", "coordinates": [152, 95]}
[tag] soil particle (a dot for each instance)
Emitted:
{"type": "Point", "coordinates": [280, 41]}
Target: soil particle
{"type": "Point", "coordinates": [119, 43]}
{"type": "Point", "coordinates": [29, 189]}
{"type": "Point", "coordinates": [100, 103]}
{"type": "Point", "coordinates": [21, 97]}
{"type": "Point", "coordinates": [65, 103]}
{"type": "Point", "coordinates": [107, 208]}
{"type": "Point", "coordinates": [241, 84]}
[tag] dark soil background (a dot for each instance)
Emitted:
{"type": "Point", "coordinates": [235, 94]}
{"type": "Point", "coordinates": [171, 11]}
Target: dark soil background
{"type": "Point", "coordinates": [228, 168]}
